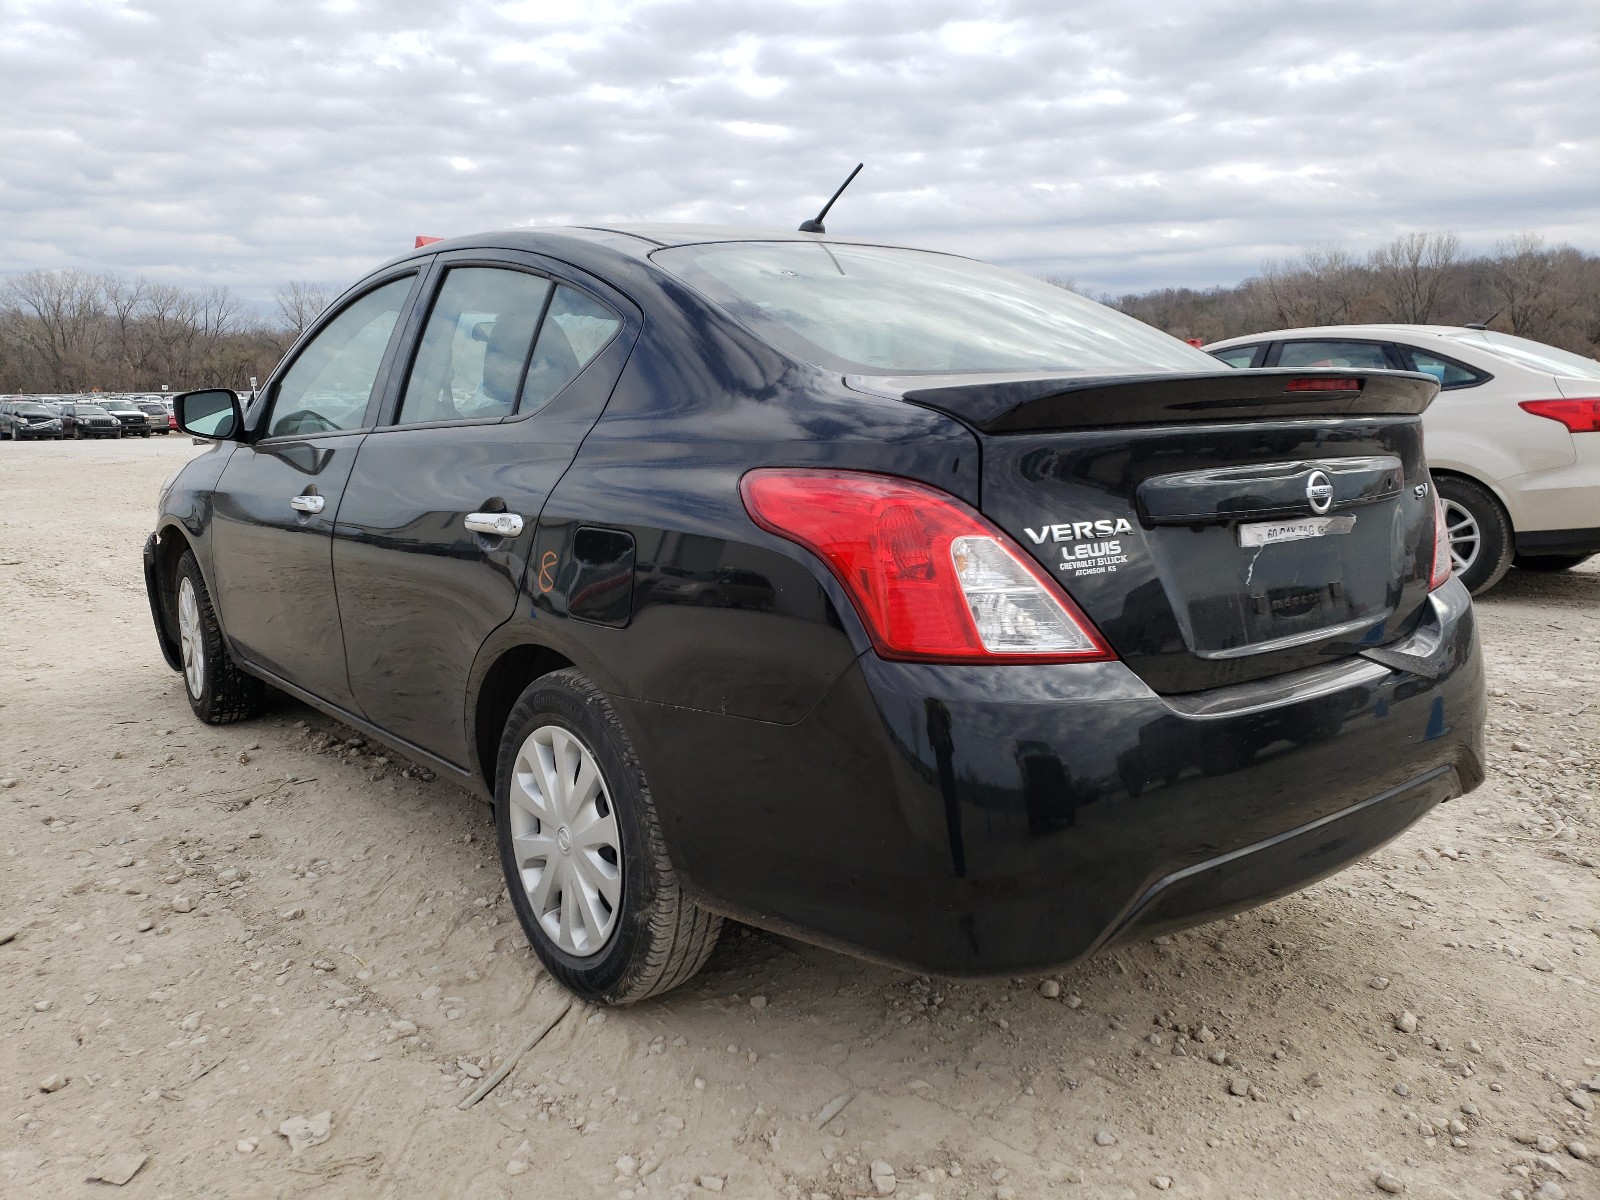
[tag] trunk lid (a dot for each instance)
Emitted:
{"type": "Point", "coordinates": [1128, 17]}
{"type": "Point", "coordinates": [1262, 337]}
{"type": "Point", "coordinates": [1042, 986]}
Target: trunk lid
{"type": "Point", "coordinates": [1217, 528]}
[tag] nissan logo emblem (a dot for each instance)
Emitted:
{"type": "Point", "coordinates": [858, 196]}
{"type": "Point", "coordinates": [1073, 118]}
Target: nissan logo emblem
{"type": "Point", "coordinates": [1319, 492]}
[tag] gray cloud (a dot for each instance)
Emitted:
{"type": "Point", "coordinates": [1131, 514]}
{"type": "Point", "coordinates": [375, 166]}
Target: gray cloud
{"type": "Point", "coordinates": [1127, 146]}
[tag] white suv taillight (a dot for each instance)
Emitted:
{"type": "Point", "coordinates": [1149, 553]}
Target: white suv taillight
{"type": "Point", "coordinates": [932, 580]}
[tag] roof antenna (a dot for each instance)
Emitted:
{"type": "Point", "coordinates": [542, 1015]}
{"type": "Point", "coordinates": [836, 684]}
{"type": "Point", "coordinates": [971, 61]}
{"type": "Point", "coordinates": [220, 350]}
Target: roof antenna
{"type": "Point", "coordinates": [815, 224]}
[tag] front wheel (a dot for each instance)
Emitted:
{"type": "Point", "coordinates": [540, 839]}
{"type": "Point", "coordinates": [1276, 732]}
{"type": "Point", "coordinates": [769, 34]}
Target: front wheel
{"type": "Point", "coordinates": [218, 691]}
{"type": "Point", "coordinates": [1479, 532]}
{"type": "Point", "coordinates": [581, 847]}
{"type": "Point", "coordinates": [1549, 562]}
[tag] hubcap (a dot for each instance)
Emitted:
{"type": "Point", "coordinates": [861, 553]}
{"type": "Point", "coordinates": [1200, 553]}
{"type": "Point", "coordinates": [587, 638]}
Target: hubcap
{"type": "Point", "coordinates": [190, 640]}
{"type": "Point", "coordinates": [1465, 536]}
{"type": "Point", "coordinates": [565, 841]}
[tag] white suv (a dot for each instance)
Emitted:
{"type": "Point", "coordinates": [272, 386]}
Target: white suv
{"type": "Point", "coordinates": [1513, 438]}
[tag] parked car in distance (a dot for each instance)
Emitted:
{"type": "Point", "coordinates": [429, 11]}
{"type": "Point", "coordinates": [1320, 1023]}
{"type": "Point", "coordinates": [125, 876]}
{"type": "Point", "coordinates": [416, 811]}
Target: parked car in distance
{"type": "Point", "coordinates": [156, 416]}
{"type": "Point", "coordinates": [81, 420]}
{"type": "Point", "coordinates": [22, 420]}
{"type": "Point", "coordinates": [902, 603]}
{"type": "Point", "coordinates": [1513, 441]}
{"type": "Point", "coordinates": [133, 418]}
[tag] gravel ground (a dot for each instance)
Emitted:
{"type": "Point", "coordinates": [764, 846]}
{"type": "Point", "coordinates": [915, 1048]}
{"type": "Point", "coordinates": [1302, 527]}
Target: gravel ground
{"type": "Point", "coordinates": [207, 933]}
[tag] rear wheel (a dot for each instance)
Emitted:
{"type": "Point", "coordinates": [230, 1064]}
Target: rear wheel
{"type": "Point", "coordinates": [218, 691]}
{"type": "Point", "coordinates": [581, 847]}
{"type": "Point", "coordinates": [1479, 532]}
{"type": "Point", "coordinates": [1549, 562]}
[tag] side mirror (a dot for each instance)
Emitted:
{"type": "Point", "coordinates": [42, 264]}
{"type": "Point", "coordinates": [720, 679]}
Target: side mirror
{"type": "Point", "coordinates": [213, 414]}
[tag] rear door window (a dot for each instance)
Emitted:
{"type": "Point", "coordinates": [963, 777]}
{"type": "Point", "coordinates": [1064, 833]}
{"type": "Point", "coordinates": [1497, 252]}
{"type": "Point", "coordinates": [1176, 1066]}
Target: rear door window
{"type": "Point", "coordinates": [1352, 355]}
{"type": "Point", "coordinates": [575, 330]}
{"type": "Point", "coordinates": [474, 351]}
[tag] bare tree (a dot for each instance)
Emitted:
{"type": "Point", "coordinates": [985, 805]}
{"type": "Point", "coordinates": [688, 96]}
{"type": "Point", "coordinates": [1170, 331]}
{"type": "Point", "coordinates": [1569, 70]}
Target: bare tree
{"type": "Point", "coordinates": [124, 301]}
{"type": "Point", "coordinates": [62, 324]}
{"type": "Point", "coordinates": [1536, 290]}
{"type": "Point", "coordinates": [1409, 274]}
{"type": "Point", "coordinates": [300, 303]}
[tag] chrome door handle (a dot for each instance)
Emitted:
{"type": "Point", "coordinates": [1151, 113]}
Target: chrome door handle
{"type": "Point", "coordinates": [494, 524]}
{"type": "Point", "coordinates": [308, 504]}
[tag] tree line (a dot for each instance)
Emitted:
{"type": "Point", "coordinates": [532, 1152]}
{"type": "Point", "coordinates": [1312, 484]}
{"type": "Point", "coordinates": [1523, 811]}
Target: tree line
{"type": "Point", "coordinates": [1548, 293]}
{"type": "Point", "coordinates": [74, 331]}
{"type": "Point", "coordinates": [77, 331]}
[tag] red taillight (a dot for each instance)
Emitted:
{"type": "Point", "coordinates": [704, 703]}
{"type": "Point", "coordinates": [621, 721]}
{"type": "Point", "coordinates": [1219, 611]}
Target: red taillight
{"type": "Point", "coordinates": [1315, 384]}
{"type": "Point", "coordinates": [1579, 416]}
{"type": "Point", "coordinates": [931, 579]}
{"type": "Point", "coordinates": [1441, 548]}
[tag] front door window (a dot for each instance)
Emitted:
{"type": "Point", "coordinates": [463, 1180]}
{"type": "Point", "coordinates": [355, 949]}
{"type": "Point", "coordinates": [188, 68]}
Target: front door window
{"type": "Point", "coordinates": [328, 386]}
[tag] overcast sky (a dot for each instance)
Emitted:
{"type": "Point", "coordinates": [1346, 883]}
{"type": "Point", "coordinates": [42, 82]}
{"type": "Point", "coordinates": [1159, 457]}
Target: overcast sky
{"type": "Point", "coordinates": [1127, 145]}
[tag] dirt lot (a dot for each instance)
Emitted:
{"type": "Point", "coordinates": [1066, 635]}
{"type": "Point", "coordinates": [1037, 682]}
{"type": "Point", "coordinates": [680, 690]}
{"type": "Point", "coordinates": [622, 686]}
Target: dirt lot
{"type": "Point", "coordinates": [208, 931]}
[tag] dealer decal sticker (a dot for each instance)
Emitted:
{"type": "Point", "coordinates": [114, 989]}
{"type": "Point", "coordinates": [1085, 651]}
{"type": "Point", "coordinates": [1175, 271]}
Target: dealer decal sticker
{"type": "Point", "coordinates": [1083, 555]}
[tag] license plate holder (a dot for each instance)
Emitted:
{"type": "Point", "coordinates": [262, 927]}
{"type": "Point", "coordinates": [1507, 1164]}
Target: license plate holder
{"type": "Point", "coordinates": [1296, 529]}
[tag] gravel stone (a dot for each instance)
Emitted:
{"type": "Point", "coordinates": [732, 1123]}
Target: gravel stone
{"type": "Point", "coordinates": [1386, 1182]}
{"type": "Point", "coordinates": [712, 1183]}
{"type": "Point", "coordinates": [883, 1181]}
{"type": "Point", "coordinates": [1581, 1099]}
{"type": "Point", "coordinates": [1406, 1022]}
{"type": "Point", "coordinates": [52, 1083]}
{"type": "Point", "coordinates": [183, 904]}
{"type": "Point", "coordinates": [1104, 1137]}
{"type": "Point", "coordinates": [1049, 989]}
{"type": "Point", "coordinates": [1238, 1087]}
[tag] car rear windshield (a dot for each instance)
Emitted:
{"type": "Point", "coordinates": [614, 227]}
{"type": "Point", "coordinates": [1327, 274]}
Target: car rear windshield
{"type": "Point", "coordinates": [1527, 353]}
{"type": "Point", "coordinates": [884, 310]}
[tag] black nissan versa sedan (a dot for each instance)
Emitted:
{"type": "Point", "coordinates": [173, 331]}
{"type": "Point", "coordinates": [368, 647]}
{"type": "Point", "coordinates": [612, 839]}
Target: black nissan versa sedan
{"type": "Point", "coordinates": [880, 597]}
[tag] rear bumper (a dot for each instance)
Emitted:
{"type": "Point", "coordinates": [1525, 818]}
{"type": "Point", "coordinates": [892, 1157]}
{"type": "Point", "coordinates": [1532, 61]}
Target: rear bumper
{"type": "Point", "coordinates": [1559, 541]}
{"type": "Point", "coordinates": [993, 820]}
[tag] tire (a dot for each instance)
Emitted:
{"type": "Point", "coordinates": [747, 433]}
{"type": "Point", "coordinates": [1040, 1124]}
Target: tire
{"type": "Point", "coordinates": [1549, 562]}
{"type": "Point", "coordinates": [219, 692]}
{"type": "Point", "coordinates": [1481, 538]}
{"type": "Point", "coordinates": [653, 938]}
{"type": "Point", "coordinates": [77, 433]}
{"type": "Point", "coordinates": [145, 434]}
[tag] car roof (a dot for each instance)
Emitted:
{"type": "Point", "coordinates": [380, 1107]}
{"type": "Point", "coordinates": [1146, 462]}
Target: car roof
{"type": "Point", "coordinates": [1380, 331]}
{"type": "Point", "coordinates": [632, 240]}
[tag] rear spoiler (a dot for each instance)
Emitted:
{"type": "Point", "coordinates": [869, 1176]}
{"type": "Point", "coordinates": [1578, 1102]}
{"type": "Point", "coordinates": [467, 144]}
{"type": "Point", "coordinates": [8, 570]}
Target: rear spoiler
{"type": "Point", "coordinates": [1021, 403]}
